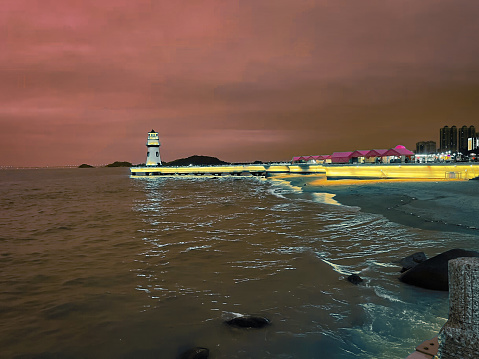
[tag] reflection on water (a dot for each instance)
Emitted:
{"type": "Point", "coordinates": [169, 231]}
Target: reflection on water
{"type": "Point", "coordinates": [97, 264]}
{"type": "Point", "coordinates": [326, 198]}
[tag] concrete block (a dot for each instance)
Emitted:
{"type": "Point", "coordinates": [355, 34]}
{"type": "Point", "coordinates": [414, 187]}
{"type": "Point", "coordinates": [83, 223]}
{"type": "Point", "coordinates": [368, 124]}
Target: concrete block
{"type": "Point", "coordinates": [459, 338]}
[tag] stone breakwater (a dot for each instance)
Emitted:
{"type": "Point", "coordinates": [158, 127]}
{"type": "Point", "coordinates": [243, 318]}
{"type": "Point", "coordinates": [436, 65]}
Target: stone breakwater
{"type": "Point", "coordinates": [459, 171]}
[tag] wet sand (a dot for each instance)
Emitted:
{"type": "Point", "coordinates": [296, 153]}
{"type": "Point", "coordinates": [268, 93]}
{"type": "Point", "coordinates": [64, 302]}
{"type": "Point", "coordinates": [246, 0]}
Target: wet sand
{"type": "Point", "coordinates": [426, 204]}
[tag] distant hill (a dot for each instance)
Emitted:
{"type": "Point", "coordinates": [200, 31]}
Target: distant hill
{"type": "Point", "coordinates": [196, 161]}
{"type": "Point", "coordinates": [84, 165]}
{"type": "Point", "coordinates": [119, 164]}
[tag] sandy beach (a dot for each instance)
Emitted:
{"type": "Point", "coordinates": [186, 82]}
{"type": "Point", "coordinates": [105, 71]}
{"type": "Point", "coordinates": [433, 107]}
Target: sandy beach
{"type": "Point", "coordinates": [427, 204]}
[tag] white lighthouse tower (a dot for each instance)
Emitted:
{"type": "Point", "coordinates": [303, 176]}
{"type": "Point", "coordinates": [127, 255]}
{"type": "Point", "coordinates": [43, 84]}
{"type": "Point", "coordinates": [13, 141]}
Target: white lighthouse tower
{"type": "Point", "coordinates": [153, 153]}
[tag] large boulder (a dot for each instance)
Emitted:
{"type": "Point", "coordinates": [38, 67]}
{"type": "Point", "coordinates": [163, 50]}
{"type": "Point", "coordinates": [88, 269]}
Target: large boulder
{"type": "Point", "coordinates": [355, 279]}
{"type": "Point", "coordinates": [412, 261]}
{"type": "Point", "coordinates": [433, 273]}
{"type": "Point", "coordinates": [248, 322]}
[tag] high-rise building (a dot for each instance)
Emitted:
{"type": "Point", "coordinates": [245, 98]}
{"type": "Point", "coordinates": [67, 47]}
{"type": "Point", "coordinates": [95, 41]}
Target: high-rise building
{"type": "Point", "coordinates": [453, 139]}
{"type": "Point", "coordinates": [425, 147]}
{"type": "Point", "coordinates": [472, 143]}
{"type": "Point", "coordinates": [464, 134]}
{"type": "Point", "coordinates": [444, 134]}
{"type": "Point", "coordinates": [448, 139]}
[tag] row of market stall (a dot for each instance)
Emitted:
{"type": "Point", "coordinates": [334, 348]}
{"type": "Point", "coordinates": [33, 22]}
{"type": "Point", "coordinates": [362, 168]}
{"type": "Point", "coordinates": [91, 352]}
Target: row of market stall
{"type": "Point", "coordinates": [398, 154]}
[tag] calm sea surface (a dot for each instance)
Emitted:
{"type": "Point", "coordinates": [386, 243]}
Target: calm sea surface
{"type": "Point", "coordinates": [95, 264]}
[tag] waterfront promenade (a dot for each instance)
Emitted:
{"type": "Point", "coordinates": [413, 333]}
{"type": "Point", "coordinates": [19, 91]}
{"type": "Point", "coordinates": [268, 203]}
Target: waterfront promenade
{"type": "Point", "coordinates": [440, 171]}
{"type": "Point", "coordinates": [233, 170]}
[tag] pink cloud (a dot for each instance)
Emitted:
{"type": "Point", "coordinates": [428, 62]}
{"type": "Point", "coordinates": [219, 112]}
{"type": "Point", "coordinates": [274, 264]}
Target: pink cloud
{"type": "Point", "coordinates": [241, 80]}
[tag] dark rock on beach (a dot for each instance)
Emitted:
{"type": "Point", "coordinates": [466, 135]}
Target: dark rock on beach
{"type": "Point", "coordinates": [195, 353]}
{"type": "Point", "coordinates": [412, 261]}
{"type": "Point", "coordinates": [355, 279]}
{"type": "Point", "coordinates": [433, 273]}
{"type": "Point", "coordinates": [248, 322]}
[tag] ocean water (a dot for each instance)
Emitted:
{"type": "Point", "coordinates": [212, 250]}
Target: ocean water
{"type": "Point", "coordinates": [95, 264]}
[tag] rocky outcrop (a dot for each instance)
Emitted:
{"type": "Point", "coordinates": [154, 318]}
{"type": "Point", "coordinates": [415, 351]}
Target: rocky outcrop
{"type": "Point", "coordinates": [433, 273]}
{"type": "Point", "coordinates": [196, 161]}
{"type": "Point", "coordinates": [412, 261]}
{"type": "Point", "coordinates": [119, 164]}
{"type": "Point", "coordinates": [248, 322]}
{"type": "Point", "coordinates": [355, 279]}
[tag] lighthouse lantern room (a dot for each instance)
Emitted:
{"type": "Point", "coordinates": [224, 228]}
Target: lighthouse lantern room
{"type": "Point", "coordinates": [153, 149]}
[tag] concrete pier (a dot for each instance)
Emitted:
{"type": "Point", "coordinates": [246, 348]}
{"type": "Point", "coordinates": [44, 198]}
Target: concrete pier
{"type": "Point", "coordinates": [459, 338]}
{"type": "Point", "coordinates": [459, 171]}
{"type": "Point", "coordinates": [232, 170]}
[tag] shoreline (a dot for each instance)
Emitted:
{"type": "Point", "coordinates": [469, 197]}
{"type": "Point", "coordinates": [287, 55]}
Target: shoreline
{"type": "Point", "coordinates": [424, 204]}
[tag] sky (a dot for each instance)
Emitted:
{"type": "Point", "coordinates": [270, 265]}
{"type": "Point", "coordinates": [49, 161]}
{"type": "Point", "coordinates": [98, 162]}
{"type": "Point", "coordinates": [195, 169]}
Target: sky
{"type": "Point", "coordinates": [84, 81]}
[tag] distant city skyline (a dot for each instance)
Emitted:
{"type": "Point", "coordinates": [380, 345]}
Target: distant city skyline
{"type": "Point", "coordinates": [455, 139]}
{"type": "Point", "coordinates": [451, 139]}
{"type": "Point", "coordinates": [83, 82]}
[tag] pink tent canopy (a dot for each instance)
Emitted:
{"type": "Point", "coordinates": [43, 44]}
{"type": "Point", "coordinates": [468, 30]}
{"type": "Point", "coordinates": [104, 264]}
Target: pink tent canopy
{"type": "Point", "coordinates": [308, 158]}
{"type": "Point", "coordinates": [377, 153]}
{"type": "Point", "coordinates": [360, 153]}
{"type": "Point", "coordinates": [321, 157]}
{"type": "Point", "coordinates": [399, 151]}
{"type": "Point", "coordinates": [341, 157]}
{"type": "Point", "coordinates": [392, 152]}
{"type": "Point", "coordinates": [403, 150]}
{"type": "Point", "coordinates": [344, 157]}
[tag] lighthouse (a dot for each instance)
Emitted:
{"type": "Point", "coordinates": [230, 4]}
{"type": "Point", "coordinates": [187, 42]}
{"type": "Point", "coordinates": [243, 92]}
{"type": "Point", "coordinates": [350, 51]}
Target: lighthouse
{"type": "Point", "coordinates": [153, 149]}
